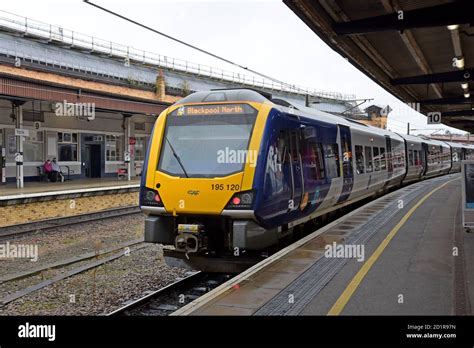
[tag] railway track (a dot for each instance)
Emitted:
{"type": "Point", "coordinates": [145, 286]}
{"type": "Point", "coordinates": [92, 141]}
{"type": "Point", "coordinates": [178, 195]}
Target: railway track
{"type": "Point", "coordinates": [170, 298]}
{"type": "Point", "coordinates": [96, 259]}
{"type": "Point", "coordinates": [10, 232]}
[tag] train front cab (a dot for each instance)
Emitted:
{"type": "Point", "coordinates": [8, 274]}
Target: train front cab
{"type": "Point", "coordinates": [200, 170]}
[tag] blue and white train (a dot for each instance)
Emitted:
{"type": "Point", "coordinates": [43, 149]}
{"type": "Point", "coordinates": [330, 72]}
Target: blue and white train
{"type": "Point", "coordinates": [235, 169]}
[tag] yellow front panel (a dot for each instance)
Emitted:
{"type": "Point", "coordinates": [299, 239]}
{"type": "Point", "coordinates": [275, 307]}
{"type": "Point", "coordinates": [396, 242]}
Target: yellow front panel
{"type": "Point", "coordinates": [207, 196]}
{"type": "Point", "coordinates": [196, 195]}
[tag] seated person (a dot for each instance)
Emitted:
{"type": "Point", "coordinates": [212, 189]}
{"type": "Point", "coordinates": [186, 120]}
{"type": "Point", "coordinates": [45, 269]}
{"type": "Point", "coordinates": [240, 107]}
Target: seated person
{"type": "Point", "coordinates": [48, 168]}
{"type": "Point", "coordinates": [56, 171]}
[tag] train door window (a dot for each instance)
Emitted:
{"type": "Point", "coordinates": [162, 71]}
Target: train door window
{"type": "Point", "coordinates": [376, 159]}
{"type": "Point", "coordinates": [282, 149]}
{"type": "Point", "coordinates": [331, 160]}
{"type": "Point", "coordinates": [318, 160]}
{"type": "Point", "coordinates": [410, 157]}
{"type": "Point", "coordinates": [294, 146]}
{"type": "Point", "coordinates": [368, 159]}
{"type": "Point", "coordinates": [416, 157]}
{"type": "Point", "coordinates": [359, 154]}
{"type": "Point", "coordinates": [312, 156]}
{"type": "Point", "coordinates": [383, 163]}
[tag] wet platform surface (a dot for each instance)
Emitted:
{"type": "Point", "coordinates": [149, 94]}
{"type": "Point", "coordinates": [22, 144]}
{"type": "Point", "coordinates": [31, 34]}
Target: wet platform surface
{"type": "Point", "coordinates": [34, 188]}
{"type": "Point", "coordinates": [413, 258]}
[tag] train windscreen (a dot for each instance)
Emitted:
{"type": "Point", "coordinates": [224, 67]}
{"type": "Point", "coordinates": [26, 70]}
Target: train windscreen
{"type": "Point", "coordinates": [207, 140]}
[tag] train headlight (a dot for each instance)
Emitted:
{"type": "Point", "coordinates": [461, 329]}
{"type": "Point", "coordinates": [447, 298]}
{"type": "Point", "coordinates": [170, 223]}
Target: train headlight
{"type": "Point", "coordinates": [151, 198]}
{"type": "Point", "coordinates": [241, 200]}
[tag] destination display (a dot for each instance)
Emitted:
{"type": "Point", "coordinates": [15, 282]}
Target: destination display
{"type": "Point", "coordinates": [214, 109]}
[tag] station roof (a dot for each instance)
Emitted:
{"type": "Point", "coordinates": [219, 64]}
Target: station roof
{"type": "Point", "coordinates": [420, 51]}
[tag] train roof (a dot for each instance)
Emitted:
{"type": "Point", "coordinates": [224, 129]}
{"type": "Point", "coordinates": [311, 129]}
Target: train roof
{"type": "Point", "coordinates": [304, 111]}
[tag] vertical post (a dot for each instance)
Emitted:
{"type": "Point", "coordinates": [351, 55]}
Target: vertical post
{"type": "Point", "coordinates": [19, 146]}
{"type": "Point", "coordinates": [3, 168]}
{"type": "Point", "coordinates": [408, 128]}
{"type": "Point", "coordinates": [129, 165]}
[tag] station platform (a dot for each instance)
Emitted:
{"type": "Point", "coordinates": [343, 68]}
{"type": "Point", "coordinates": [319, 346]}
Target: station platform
{"type": "Point", "coordinates": [31, 189]}
{"type": "Point", "coordinates": [405, 253]}
{"type": "Point", "coordinates": [39, 201]}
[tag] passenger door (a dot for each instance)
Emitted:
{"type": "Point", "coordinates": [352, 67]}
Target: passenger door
{"type": "Point", "coordinates": [347, 167]}
{"type": "Point", "coordinates": [296, 167]}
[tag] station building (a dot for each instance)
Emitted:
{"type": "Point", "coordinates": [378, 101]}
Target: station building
{"type": "Point", "coordinates": [91, 103]}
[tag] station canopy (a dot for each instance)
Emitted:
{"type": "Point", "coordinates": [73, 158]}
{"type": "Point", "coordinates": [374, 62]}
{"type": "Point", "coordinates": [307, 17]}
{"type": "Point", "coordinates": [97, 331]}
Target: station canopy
{"type": "Point", "coordinates": [420, 51]}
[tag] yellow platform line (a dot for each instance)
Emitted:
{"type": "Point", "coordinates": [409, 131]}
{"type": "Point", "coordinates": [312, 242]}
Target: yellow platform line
{"type": "Point", "coordinates": [341, 302]}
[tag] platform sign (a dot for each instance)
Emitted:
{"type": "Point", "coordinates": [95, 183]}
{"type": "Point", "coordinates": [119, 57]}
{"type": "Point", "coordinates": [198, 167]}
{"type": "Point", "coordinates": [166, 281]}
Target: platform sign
{"type": "Point", "coordinates": [434, 117]}
{"type": "Point", "coordinates": [467, 176]}
{"type": "Point", "coordinates": [22, 132]}
{"type": "Point", "coordinates": [126, 156]}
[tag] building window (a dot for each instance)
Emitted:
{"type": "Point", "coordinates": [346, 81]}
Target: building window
{"type": "Point", "coordinates": [383, 162]}
{"type": "Point", "coordinates": [67, 147]}
{"type": "Point", "coordinates": [359, 152]}
{"type": "Point", "coordinates": [33, 147]}
{"type": "Point", "coordinates": [376, 159]}
{"type": "Point", "coordinates": [113, 148]}
{"type": "Point", "coordinates": [140, 148]}
{"type": "Point", "coordinates": [368, 159]}
{"type": "Point", "coordinates": [140, 126]}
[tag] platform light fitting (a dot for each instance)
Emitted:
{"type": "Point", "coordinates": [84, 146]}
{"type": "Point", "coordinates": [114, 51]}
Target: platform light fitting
{"type": "Point", "coordinates": [467, 95]}
{"type": "Point", "coordinates": [464, 85]}
{"type": "Point", "coordinates": [459, 62]}
{"type": "Point", "coordinates": [453, 27]}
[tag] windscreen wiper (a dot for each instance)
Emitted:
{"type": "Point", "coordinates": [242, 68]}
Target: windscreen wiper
{"type": "Point", "coordinates": [177, 158]}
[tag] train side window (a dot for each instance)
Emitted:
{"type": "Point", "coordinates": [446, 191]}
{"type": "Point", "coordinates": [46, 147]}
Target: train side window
{"type": "Point", "coordinates": [359, 155]}
{"type": "Point", "coordinates": [331, 160]}
{"type": "Point", "coordinates": [376, 159]}
{"type": "Point", "coordinates": [383, 162]}
{"type": "Point", "coordinates": [410, 157]}
{"type": "Point", "coordinates": [368, 159]}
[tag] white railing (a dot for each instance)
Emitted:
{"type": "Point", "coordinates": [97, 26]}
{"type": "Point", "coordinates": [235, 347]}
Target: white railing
{"type": "Point", "coordinates": [53, 33]}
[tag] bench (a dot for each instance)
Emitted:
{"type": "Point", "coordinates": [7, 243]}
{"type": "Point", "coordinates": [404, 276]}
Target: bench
{"type": "Point", "coordinates": [44, 177]}
{"type": "Point", "coordinates": [42, 174]}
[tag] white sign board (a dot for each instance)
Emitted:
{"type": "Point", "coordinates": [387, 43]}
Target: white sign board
{"type": "Point", "coordinates": [22, 132]}
{"type": "Point", "coordinates": [18, 157]}
{"type": "Point", "coordinates": [434, 117]}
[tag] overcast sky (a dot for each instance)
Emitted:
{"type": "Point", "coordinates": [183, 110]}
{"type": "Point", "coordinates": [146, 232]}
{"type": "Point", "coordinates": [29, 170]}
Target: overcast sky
{"type": "Point", "coordinates": [263, 35]}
